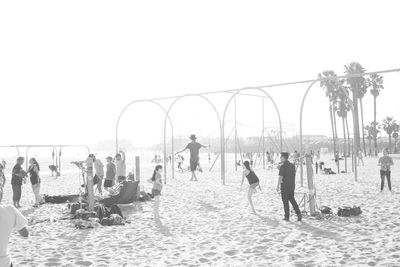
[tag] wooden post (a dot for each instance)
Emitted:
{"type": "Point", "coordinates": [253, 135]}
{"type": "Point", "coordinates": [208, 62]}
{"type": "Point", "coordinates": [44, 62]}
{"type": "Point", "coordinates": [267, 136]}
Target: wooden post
{"type": "Point", "coordinates": [310, 182]}
{"type": "Point", "coordinates": [89, 180]}
{"type": "Point", "coordinates": [137, 163]}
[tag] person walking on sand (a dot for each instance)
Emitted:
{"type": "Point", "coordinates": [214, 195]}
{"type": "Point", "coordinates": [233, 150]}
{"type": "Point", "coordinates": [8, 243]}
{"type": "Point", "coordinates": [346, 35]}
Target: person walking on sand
{"type": "Point", "coordinates": [253, 181]}
{"type": "Point", "coordinates": [2, 181]}
{"type": "Point", "coordinates": [156, 191]}
{"type": "Point", "coordinates": [35, 180]}
{"type": "Point", "coordinates": [18, 177]}
{"type": "Point", "coordinates": [286, 184]}
{"type": "Point", "coordinates": [385, 162]}
{"type": "Point", "coordinates": [99, 172]}
{"type": "Point", "coordinates": [10, 219]}
{"type": "Point", "coordinates": [110, 173]}
{"type": "Point", "coordinates": [120, 166]}
{"type": "Point", "coordinates": [194, 149]}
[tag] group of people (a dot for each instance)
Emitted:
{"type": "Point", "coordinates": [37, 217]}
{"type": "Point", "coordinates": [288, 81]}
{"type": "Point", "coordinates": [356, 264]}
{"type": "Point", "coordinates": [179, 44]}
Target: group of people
{"type": "Point", "coordinates": [18, 178]}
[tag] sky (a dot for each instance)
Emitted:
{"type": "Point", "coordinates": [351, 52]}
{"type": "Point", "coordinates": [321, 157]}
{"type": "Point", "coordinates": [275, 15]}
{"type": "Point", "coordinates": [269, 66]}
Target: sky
{"type": "Point", "coordinates": [68, 68]}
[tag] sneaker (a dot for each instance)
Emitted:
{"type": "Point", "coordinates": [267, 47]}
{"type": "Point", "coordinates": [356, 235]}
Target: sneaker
{"type": "Point", "coordinates": [299, 217]}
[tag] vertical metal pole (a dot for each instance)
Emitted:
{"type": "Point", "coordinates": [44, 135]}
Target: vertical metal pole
{"type": "Point", "coordinates": [263, 135]}
{"type": "Point", "coordinates": [165, 152]}
{"type": "Point", "coordinates": [234, 102]}
{"type": "Point", "coordinates": [59, 161]}
{"type": "Point", "coordinates": [137, 167]}
{"type": "Point", "coordinates": [310, 182]}
{"type": "Point", "coordinates": [222, 145]}
{"type": "Point", "coordinates": [89, 173]}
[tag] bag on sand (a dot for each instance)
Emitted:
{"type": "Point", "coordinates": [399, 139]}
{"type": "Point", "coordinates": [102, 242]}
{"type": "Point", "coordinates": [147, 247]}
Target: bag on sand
{"type": "Point", "coordinates": [325, 210]}
{"type": "Point", "coordinates": [349, 211]}
{"type": "Point", "coordinates": [84, 214]}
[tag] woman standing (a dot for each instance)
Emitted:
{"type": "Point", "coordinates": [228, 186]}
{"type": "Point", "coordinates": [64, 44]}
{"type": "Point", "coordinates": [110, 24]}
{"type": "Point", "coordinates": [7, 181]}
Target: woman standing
{"type": "Point", "coordinates": [253, 181]}
{"type": "Point", "coordinates": [385, 162]}
{"type": "Point", "coordinates": [18, 176]}
{"type": "Point", "coordinates": [35, 180]}
{"type": "Point", "coordinates": [156, 191]}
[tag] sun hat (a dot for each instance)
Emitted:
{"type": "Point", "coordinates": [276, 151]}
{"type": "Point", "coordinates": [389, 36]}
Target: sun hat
{"type": "Point", "coordinates": [193, 137]}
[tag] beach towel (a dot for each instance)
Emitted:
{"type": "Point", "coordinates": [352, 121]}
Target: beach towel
{"type": "Point", "coordinates": [128, 194]}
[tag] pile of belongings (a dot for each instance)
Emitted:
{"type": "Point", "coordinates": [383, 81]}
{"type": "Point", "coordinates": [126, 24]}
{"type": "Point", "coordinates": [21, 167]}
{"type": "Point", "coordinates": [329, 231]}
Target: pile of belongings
{"type": "Point", "coordinates": [346, 211]}
{"type": "Point", "coordinates": [101, 215]}
{"type": "Point", "coordinates": [60, 199]}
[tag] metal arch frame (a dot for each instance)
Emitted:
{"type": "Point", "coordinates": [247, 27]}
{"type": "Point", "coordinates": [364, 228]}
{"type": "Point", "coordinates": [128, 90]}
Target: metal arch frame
{"type": "Point", "coordinates": [165, 129]}
{"type": "Point", "coordinates": [135, 102]}
{"type": "Point", "coordinates": [223, 124]}
{"type": "Point", "coordinates": [301, 125]}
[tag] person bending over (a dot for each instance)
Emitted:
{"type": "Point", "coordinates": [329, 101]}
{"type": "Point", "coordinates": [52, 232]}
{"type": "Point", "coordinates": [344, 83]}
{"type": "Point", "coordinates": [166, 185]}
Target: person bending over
{"type": "Point", "coordinates": [253, 181]}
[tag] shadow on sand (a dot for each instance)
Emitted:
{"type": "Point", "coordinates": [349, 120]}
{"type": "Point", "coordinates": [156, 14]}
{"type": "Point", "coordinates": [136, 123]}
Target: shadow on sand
{"type": "Point", "coordinates": [163, 229]}
{"type": "Point", "coordinates": [269, 221]}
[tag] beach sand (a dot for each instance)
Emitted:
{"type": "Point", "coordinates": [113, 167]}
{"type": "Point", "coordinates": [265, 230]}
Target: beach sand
{"type": "Point", "coordinates": [207, 224]}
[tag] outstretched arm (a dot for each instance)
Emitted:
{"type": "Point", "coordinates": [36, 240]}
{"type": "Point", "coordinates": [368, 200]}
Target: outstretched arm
{"type": "Point", "coordinates": [180, 151]}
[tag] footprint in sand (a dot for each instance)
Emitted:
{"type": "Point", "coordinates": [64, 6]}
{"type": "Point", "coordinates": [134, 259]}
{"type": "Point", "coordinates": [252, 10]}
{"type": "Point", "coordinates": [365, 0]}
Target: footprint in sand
{"type": "Point", "coordinates": [231, 252]}
{"type": "Point", "coordinates": [83, 263]}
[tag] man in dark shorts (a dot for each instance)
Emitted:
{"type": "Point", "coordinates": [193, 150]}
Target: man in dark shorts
{"type": "Point", "coordinates": [194, 149]}
{"type": "Point", "coordinates": [286, 184]}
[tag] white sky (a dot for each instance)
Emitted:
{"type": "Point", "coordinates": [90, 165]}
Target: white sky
{"type": "Point", "coordinates": [67, 68]}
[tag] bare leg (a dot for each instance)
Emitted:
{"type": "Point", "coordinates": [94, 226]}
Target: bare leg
{"type": "Point", "coordinates": [194, 175]}
{"type": "Point", "coordinates": [250, 193]}
{"type": "Point", "coordinates": [156, 208]}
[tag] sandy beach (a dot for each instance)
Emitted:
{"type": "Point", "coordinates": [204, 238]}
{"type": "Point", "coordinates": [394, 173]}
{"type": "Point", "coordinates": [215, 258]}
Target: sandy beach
{"type": "Point", "coordinates": [207, 224]}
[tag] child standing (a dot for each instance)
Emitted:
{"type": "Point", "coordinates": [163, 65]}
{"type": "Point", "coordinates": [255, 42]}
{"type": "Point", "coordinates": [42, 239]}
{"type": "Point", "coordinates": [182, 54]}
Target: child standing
{"type": "Point", "coordinates": [110, 173]}
{"type": "Point", "coordinates": [385, 162]}
{"type": "Point", "coordinates": [156, 191]}
{"type": "Point", "coordinates": [253, 181]}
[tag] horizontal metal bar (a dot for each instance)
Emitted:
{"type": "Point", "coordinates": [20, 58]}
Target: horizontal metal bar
{"type": "Point", "coordinates": [283, 84]}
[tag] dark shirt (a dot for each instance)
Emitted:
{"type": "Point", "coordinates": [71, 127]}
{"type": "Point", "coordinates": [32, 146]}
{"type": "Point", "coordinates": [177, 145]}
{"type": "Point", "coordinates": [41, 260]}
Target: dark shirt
{"type": "Point", "coordinates": [111, 171]}
{"type": "Point", "coordinates": [252, 178]}
{"type": "Point", "coordinates": [288, 172]}
{"type": "Point", "coordinates": [33, 175]}
{"type": "Point", "coordinates": [16, 180]}
{"type": "Point", "coordinates": [194, 148]}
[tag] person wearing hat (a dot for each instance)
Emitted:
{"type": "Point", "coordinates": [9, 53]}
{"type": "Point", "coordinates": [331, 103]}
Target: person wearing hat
{"type": "Point", "coordinates": [286, 184]}
{"type": "Point", "coordinates": [110, 173]}
{"type": "Point", "coordinates": [194, 149]}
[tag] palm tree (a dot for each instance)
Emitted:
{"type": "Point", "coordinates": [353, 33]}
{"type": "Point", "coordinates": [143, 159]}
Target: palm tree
{"type": "Point", "coordinates": [390, 126]}
{"type": "Point", "coordinates": [362, 92]}
{"type": "Point", "coordinates": [355, 83]}
{"type": "Point", "coordinates": [376, 84]}
{"type": "Point", "coordinates": [342, 111]}
{"type": "Point", "coordinates": [372, 131]}
{"type": "Point", "coordinates": [330, 86]}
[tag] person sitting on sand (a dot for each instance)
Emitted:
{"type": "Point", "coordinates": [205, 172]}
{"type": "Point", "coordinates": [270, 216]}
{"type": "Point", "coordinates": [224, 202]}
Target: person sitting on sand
{"type": "Point", "coordinates": [286, 184]}
{"type": "Point", "coordinates": [385, 162]}
{"type": "Point", "coordinates": [110, 173]}
{"type": "Point", "coordinates": [10, 218]}
{"type": "Point", "coordinates": [2, 181]}
{"type": "Point", "coordinates": [194, 149]}
{"type": "Point", "coordinates": [120, 166]}
{"type": "Point", "coordinates": [18, 177]}
{"type": "Point", "coordinates": [123, 193]}
{"type": "Point", "coordinates": [35, 180]}
{"type": "Point", "coordinates": [253, 181]}
{"type": "Point", "coordinates": [156, 191]}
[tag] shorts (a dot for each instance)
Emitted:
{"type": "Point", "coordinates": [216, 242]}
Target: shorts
{"type": "Point", "coordinates": [254, 185]}
{"type": "Point", "coordinates": [108, 183]}
{"type": "Point", "coordinates": [193, 164]}
{"type": "Point", "coordinates": [156, 192]}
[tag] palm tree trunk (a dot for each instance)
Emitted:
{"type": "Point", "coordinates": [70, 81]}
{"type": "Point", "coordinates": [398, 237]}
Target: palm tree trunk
{"type": "Point", "coordinates": [375, 135]}
{"type": "Point", "coordinates": [333, 128]}
{"type": "Point", "coordinates": [390, 143]}
{"type": "Point", "coordinates": [349, 146]}
{"type": "Point", "coordinates": [369, 144]}
{"type": "Point", "coordinates": [344, 145]}
{"type": "Point", "coordinates": [362, 126]}
{"type": "Point", "coordinates": [337, 140]}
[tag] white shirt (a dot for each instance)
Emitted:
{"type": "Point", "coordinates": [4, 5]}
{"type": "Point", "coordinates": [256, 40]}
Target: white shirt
{"type": "Point", "coordinates": [10, 218]}
{"type": "Point", "coordinates": [99, 168]}
{"type": "Point", "coordinates": [121, 167]}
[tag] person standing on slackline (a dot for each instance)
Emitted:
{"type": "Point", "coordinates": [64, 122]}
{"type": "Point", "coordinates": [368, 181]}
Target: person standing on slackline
{"type": "Point", "coordinates": [286, 184]}
{"type": "Point", "coordinates": [194, 149]}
